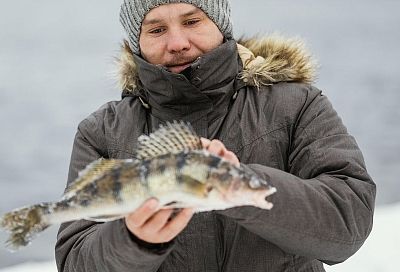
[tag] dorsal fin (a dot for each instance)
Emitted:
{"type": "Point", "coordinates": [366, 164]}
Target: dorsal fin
{"type": "Point", "coordinates": [92, 171]}
{"type": "Point", "coordinates": [172, 138]}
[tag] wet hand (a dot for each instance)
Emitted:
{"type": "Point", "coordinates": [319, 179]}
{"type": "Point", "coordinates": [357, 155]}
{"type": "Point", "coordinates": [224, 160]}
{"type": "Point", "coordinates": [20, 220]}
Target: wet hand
{"type": "Point", "coordinates": [216, 147]}
{"type": "Point", "coordinates": [153, 225]}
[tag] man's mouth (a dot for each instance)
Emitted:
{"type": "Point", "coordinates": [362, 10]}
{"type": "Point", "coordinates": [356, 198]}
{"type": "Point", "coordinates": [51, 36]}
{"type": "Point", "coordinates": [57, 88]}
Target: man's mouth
{"type": "Point", "coordinates": [179, 67]}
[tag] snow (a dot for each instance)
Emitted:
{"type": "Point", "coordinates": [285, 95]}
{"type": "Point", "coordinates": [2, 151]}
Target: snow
{"type": "Point", "coordinates": [32, 267]}
{"type": "Point", "coordinates": [377, 254]}
{"type": "Point", "coordinates": [381, 249]}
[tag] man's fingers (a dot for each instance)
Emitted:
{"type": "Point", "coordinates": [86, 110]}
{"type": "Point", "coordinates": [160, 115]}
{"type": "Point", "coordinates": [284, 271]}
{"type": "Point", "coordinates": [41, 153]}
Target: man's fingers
{"type": "Point", "coordinates": [158, 221]}
{"type": "Point", "coordinates": [143, 213]}
{"type": "Point", "coordinates": [230, 156]}
{"type": "Point", "coordinates": [216, 147]}
{"type": "Point", "coordinates": [160, 228]}
{"type": "Point", "coordinates": [177, 224]}
{"type": "Point", "coordinates": [205, 142]}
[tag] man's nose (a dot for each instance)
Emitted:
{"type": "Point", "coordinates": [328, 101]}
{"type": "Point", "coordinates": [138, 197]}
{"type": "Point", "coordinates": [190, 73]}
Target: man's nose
{"type": "Point", "coordinates": [178, 41]}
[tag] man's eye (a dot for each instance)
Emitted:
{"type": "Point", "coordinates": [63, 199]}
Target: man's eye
{"type": "Point", "coordinates": [191, 22]}
{"type": "Point", "coordinates": [156, 30]}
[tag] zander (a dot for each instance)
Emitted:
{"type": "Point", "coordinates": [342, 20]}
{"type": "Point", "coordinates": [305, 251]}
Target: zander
{"type": "Point", "coordinates": [170, 165]}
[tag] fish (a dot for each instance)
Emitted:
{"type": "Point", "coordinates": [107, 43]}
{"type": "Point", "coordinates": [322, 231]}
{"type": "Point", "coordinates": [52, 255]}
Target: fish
{"type": "Point", "coordinates": [170, 165]}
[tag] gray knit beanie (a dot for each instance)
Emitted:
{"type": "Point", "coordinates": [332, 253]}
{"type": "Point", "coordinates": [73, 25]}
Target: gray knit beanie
{"type": "Point", "coordinates": [134, 11]}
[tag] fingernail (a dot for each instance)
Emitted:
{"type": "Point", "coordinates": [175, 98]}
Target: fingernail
{"type": "Point", "coordinates": [153, 204]}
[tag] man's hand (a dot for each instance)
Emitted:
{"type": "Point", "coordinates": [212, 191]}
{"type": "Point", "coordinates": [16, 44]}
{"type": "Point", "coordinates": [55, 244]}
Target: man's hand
{"type": "Point", "coordinates": [156, 226]}
{"type": "Point", "coordinates": [216, 147]}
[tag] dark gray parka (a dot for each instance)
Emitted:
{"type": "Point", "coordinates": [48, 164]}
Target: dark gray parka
{"type": "Point", "coordinates": [280, 127]}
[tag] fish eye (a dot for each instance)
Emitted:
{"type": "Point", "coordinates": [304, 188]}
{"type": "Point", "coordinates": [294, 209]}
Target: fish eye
{"type": "Point", "coordinates": [254, 183]}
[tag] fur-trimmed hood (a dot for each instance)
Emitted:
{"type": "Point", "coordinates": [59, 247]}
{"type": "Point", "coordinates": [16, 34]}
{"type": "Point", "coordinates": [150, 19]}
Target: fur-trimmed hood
{"type": "Point", "coordinates": [265, 61]}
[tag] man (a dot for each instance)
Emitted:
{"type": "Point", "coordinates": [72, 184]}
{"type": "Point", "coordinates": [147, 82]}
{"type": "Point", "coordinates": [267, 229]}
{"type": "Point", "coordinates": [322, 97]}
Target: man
{"type": "Point", "coordinates": [255, 104]}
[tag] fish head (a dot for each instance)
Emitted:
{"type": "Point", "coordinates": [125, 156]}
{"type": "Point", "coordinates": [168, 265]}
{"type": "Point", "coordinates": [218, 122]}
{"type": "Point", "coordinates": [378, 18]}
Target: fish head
{"type": "Point", "coordinates": [240, 188]}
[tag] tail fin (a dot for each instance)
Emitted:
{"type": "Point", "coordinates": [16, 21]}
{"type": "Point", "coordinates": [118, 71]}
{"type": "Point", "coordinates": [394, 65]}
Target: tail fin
{"type": "Point", "coordinates": [23, 224]}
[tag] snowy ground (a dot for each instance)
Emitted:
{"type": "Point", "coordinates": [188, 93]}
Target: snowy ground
{"type": "Point", "coordinates": [377, 254]}
{"type": "Point", "coordinates": [32, 267]}
{"type": "Point", "coordinates": [382, 247]}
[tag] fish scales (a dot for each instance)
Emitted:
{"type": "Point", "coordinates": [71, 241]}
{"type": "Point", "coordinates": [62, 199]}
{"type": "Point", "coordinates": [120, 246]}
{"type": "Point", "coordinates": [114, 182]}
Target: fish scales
{"type": "Point", "coordinates": [171, 166]}
{"type": "Point", "coordinates": [124, 187]}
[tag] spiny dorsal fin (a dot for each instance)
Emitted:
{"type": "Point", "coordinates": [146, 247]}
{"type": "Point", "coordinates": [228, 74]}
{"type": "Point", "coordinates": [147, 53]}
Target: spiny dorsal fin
{"type": "Point", "coordinates": [172, 138]}
{"type": "Point", "coordinates": [92, 172]}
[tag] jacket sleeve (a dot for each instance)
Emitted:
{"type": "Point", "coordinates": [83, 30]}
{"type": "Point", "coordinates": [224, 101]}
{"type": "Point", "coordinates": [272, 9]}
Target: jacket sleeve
{"type": "Point", "coordinates": [323, 208]}
{"type": "Point", "coordinates": [84, 246]}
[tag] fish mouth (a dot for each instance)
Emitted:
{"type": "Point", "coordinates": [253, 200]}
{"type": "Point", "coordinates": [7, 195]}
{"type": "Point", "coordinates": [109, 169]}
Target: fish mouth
{"type": "Point", "coordinates": [239, 195]}
{"type": "Point", "coordinates": [261, 199]}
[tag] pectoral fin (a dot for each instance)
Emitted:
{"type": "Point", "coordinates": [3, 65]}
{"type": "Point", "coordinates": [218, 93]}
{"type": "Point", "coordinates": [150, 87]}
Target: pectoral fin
{"type": "Point", "coordinates": [195, 186]}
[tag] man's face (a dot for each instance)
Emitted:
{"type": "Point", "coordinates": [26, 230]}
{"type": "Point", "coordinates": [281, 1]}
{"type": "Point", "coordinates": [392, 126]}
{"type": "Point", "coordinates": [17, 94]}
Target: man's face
{"type": "Point", "coordinates": [175, 35]}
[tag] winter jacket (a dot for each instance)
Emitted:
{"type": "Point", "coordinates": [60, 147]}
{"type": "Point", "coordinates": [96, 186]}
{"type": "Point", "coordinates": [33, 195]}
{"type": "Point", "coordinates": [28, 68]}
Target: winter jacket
{"type": "Point", "coordinates": [258, 101]}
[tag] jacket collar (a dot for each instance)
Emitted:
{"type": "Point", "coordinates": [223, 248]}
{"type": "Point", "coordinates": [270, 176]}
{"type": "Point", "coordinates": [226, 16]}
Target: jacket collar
{"type": "Point", "coordinates": [205, 91]}
{"type": "Point", "coordinates": [203, 73]}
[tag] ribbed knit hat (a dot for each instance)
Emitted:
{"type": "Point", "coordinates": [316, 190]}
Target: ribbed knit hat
{"type": "Point", "coordinates": [134, 11]}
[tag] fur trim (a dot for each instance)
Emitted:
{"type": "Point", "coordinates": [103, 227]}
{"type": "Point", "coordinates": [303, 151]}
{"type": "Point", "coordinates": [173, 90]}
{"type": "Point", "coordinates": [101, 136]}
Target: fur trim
{"type": "Point", "coordinates": [127, 70]}
{"type": "Point", "coordinates": [275, 59]}
{"type": "Point", "coordinates": [265, 61]}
